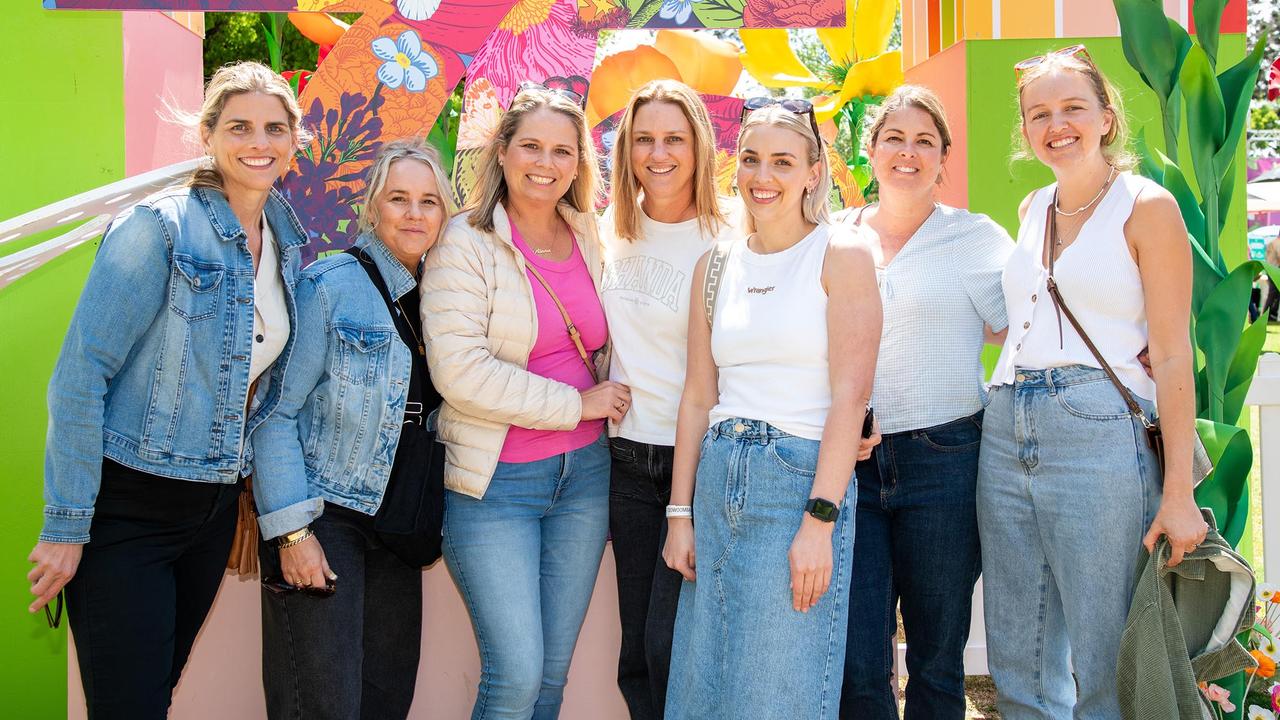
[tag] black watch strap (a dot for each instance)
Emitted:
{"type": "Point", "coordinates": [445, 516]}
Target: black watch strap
{"type": "Point", "coordinates": [824, 510]}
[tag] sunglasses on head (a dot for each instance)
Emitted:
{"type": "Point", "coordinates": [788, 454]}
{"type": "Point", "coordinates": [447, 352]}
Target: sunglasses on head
{"type": "Point", "coordinates": [792, 105]}
{"type": "Point", "coordinates": [570, 95]}
{"type": "Point", "coordinates": [1076, 51]}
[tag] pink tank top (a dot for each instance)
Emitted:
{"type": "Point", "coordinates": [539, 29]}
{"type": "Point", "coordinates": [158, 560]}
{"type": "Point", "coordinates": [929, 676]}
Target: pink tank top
{"type": "Point", "coordinates": [554, 354]}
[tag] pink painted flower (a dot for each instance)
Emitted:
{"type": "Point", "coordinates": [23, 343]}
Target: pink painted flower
{"type": "Point", "coordinates": [537, 39]}
{"type": "Point", "coordinates": [1220, 695]}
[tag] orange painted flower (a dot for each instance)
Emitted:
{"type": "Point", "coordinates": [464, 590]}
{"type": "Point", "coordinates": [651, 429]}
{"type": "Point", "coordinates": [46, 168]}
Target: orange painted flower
{"type": "Point", "coordinates": [621, 74]}
{"type": "Point", "coordinates": [709, 65]}
{"type": "Point", "coordinates": [1266, 666]}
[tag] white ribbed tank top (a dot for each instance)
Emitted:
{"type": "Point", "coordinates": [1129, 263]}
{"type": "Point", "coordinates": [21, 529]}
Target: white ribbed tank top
{"type": "Point", "coordinates": [769, 338]}
{"type": "Point", "coordinates": [1098, 280]}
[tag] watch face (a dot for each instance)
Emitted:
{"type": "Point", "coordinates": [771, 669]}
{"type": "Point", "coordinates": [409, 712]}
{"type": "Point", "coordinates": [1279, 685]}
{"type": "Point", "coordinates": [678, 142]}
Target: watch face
{"type": "Point", "coordinates": [824, 510]}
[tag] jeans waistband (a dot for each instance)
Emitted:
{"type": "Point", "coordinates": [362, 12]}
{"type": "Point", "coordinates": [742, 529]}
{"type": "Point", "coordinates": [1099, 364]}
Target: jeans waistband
{"type": "Point", "coordinates": [1057, 376]}
{"type": "Point", "coordinates": [742, 428]}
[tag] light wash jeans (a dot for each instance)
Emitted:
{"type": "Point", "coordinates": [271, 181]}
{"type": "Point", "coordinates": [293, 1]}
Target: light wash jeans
{"type": "Point", "coordinates": [525, 559]}
{"type": "Point", "coordinates": [740, 650]}
{"type": "Point", "coordinates": [1067, 486]}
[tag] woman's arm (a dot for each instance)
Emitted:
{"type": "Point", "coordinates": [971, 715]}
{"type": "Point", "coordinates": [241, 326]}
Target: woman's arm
{"type": "Point", "coordinates": [1156, 232]}
{"type": "Point", "coordinates": [455, 320]}
{"type": "Point", "coordinates": [701, 391]}
{"type": "Point", "coordinates": [132, 267]}
{"type": "Point", "coordinates": [853, 330]}
{"type": "Point", "coordinates": [279, 471]}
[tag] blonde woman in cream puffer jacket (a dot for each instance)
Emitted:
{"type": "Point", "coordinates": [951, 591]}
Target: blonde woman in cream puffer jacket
{"type": "Point", "coordinates": [479, 321]}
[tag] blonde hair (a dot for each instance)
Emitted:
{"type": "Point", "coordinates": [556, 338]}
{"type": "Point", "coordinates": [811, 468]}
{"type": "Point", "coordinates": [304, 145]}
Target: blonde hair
{"type": "Point", "coordinates": [376, 180]}
{"type": "Point", "coordinates": [626, 187]}
{"type": "Point", "coordinates": [909, 96]}
{"type": "Point", "coordinates": [817, 203]}
{"type": "Point", "coordinates": [229, 81]}
{"type": "Point", "coordinates": [491, 184]}
{"type": "Point", "coordinates": [1115, 144]}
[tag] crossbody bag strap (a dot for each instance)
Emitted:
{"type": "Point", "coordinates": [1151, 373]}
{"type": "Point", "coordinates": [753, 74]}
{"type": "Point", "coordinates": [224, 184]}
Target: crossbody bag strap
{"type": "Point", "coordinates": [574, 335]}
{"type": "Point", "coordinates": [711, 279]}
{"type": "Point", "coordinates": [1050, 240]}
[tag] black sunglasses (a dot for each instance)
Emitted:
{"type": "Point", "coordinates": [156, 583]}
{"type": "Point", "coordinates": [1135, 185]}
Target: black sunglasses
{"type": "Point", "coordinates": [794, 105]}
{"type": "Point", "coordinates": [566, 93]}
{"type": "Point", "coordinates": [277, 585]}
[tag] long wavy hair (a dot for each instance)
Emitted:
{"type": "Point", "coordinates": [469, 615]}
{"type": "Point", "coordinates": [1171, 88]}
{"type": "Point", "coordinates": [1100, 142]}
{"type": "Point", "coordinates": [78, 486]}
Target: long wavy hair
{"type": "Point", "coordinates": [491, 184]}
{"type": "Point", "coordinates": [625, 186]}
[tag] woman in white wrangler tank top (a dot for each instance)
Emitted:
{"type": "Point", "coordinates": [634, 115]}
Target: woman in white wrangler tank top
{"type": "Point", "coordinates": [781, 377]}
{"type": "Point", "coordinates": [1068, 490]}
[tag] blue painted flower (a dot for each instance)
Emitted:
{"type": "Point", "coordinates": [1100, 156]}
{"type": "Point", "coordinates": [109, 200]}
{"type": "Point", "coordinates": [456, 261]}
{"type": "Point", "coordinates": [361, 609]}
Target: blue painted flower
{"type": "Point", "coordinates": [406, 63]}
{"type": "Point", "coordinates": [678, 10]}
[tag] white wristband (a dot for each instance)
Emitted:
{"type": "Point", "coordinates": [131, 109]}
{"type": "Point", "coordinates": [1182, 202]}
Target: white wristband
{"type": "Point", "coordinates": [679, 511]}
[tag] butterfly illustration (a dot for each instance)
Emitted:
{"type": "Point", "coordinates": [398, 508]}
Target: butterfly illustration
{"type": "Point", "coordinates": [481, 113]}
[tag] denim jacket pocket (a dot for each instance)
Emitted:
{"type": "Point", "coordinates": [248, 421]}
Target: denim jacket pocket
{"type": "Point", "coordinates": [1097, 400]}
{"type": "Point", "coordinates": [361, 354]}
{"type": "Point", "coordinates": [193, 290]}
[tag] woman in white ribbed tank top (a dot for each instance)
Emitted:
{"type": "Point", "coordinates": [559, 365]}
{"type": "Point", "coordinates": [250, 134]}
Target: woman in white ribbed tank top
{"type": "Point", "coordinates": [781, 376]}
{"type": "Point", "coordinates": [1068, 490]}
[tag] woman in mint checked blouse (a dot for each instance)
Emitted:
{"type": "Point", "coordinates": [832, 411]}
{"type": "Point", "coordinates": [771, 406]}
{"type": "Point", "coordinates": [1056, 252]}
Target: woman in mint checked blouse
{"type": "Point", "coordinates": [938, 269]}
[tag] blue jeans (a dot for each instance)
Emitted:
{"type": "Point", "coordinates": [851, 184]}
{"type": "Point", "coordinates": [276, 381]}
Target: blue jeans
{"type": "Point", "coordinates": [354, 654]}
{"type": "Point", "coordinates": [740, 649]}
{"type": "Point", "coordinates": [917, 540]}
{"type": "Point", "coordinates": [1067, 486]}
{"type": "Point", "coordinates": [525, 559]}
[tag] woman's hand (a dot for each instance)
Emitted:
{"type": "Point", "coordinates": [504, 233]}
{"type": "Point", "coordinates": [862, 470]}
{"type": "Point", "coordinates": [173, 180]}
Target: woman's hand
{"type": "Point", "coordinates": [56, 564]}
{"type": "Point", "coordinates": [304, 564]}
{"type": "Point", "coordinates": [606, 400]}
{"type": "Point", "coordinates": [1178, 519]}
{"type": "Point", "coordinates": [867, 444]}
{"type": "Point", "coordinates": [811, 562]}
{"type": "Point", "coordinates": [678, 551]}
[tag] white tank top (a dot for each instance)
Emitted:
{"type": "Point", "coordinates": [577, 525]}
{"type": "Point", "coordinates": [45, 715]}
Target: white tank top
{"type": "Point", "coordinates": [769, 339]}
{"type": "Point", "coordinates": [1098, 280]}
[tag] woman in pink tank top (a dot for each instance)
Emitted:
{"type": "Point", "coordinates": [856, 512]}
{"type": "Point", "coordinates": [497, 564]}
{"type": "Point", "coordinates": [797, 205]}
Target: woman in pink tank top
{"type": "Point", "coordinates": [515, 334]}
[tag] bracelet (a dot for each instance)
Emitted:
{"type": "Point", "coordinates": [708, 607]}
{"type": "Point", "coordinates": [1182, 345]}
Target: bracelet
{"type": "Point", "coordinates": [680, 511]}
{"type": "Point", "coordinates": [296, 537]}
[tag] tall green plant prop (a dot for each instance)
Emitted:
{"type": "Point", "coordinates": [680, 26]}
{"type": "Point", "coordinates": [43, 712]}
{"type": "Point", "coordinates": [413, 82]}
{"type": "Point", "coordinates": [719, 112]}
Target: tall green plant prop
{"type": "Point", "coordinates": [1183, 74]}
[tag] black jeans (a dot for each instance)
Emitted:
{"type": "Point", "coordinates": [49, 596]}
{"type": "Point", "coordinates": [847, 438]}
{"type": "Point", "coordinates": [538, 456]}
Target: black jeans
{"type": "Point", "coordinates": [351, 655]}
{"type": "Point", "coordinates": [156, 555]}
{"type": "Point", "coordinates": [916, 541]}
{"type": "Point", "coordinates": [648, 590]}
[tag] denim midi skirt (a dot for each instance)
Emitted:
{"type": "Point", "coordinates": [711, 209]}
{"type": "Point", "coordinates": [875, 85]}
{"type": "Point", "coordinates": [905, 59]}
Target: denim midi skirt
{"type": "Point", "coordinates": [740, 649]}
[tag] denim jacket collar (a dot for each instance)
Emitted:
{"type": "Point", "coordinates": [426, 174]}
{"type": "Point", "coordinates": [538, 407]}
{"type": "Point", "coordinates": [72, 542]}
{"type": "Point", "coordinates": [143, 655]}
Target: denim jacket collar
{"type": "Point", "coordinates": [228, 226]}
{"type": "Point", "coordinates": [393, 272]}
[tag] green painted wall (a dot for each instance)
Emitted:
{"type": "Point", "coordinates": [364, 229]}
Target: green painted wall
{"type": "Point", "coordinates": [61, 133]}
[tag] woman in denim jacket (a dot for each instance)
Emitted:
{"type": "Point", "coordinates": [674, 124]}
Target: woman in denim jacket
{"type": "Point", "coordinates": [188, 303]}
{"type": "Point", "coordinates": [351, 424]}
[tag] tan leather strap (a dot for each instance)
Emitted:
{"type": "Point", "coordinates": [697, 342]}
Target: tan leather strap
{"type": "Point", "coordinates": [574, 335]}
{"type": "Point", "coordinates": [1050, 240]}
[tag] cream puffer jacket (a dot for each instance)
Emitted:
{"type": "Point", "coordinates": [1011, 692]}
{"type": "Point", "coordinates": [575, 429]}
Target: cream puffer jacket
{"type": "Point", "coordinates": [480, 324]}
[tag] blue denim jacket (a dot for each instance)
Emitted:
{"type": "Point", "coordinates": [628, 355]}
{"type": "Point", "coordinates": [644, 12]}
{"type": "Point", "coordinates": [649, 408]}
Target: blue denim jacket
{"type": "Point", "coordinates": [154, 370]}
{"type": "Point", "coordinates": [334, 435]}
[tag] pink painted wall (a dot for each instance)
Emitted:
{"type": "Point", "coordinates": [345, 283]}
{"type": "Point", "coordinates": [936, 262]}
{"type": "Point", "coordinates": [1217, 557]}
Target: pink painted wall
{"type": "Point", "coordinates": [1089, 18]}
{"type": "Point", "coordinates": [947, 75]}
{"type": "Point", "coordinates": [224, 677]}
{"type": "Point", "coordinates": [162, 60]}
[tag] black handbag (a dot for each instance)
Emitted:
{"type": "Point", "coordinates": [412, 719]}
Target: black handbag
{"type": "Point", "coordinates": [410, 519]}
